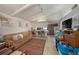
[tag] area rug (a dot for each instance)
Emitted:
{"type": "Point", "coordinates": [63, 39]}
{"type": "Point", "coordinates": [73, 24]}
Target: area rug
{"type": "Point", "coordinates": [34, 47]}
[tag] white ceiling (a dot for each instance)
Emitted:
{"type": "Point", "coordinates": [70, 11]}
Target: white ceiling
{"type": "Point", "coordinates": [33, 13]}
{"type": "Point", "coordinates": [10, 8]}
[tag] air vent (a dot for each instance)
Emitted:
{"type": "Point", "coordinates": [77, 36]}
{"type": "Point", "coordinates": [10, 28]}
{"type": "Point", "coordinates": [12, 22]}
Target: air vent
{"type": "Point", "coordinates": [74, 6]}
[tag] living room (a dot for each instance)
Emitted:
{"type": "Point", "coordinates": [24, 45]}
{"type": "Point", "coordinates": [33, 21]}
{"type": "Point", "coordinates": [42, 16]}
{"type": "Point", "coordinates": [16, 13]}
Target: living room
{"type": "Point", "coordinates": [30, 29]}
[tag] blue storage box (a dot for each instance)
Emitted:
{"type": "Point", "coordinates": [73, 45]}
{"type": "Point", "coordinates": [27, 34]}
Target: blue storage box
{"type": "Point", "coordinates": [65, 50]}
{"type": "Point", "coordinates": [76, 51]}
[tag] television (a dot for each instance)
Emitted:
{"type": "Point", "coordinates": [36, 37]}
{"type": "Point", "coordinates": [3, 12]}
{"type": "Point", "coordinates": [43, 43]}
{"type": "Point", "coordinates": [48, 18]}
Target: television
{"type": "Point", "coordinates": [67, 23]}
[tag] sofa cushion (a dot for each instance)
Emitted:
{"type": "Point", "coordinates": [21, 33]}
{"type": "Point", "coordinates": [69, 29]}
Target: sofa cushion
{"type": "Point", "coordinates": [17, 37]}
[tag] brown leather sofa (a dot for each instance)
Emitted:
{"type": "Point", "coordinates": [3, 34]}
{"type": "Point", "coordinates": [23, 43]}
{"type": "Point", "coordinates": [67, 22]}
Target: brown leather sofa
{"type": "Point", "coordinates": [15, 44]}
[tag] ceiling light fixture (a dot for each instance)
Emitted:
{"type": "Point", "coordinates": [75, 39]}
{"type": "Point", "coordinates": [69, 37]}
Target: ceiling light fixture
{"type": "Point", "coordinates": [43, 17]}
{"type": "Point", "coordinates": [41, 20]}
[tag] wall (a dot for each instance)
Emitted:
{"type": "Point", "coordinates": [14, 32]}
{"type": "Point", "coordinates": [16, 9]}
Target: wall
{"type": "Point", "coordinates": [72, 14]}
{"type": "Point", "coordinates": [39, 24]}
{"type": "Point", "coordinates": [75, 21]}
{"type": "Point", "coordinates": [16, 25]}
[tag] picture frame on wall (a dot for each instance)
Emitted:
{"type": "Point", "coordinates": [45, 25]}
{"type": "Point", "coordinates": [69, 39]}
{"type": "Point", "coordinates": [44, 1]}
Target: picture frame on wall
{"type": "Point", "coordinates": [26, 25]}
